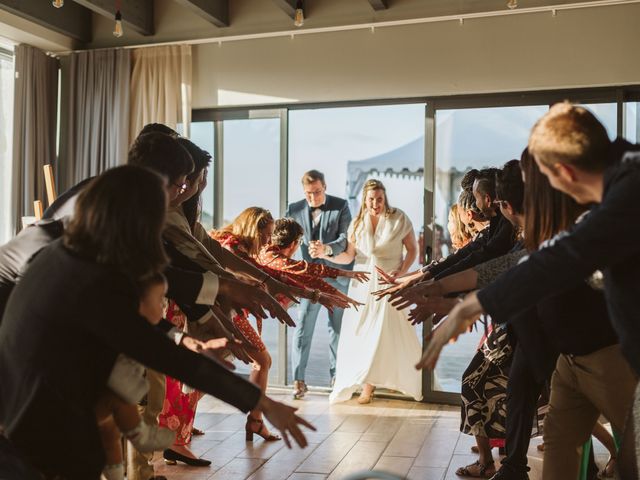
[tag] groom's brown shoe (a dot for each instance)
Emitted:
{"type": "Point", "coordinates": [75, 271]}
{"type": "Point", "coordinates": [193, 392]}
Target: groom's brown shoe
{"type": "Point", "coordinates": [299, 389]}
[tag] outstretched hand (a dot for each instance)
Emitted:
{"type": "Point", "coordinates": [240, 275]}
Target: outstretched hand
{"type": "Point", "coordinates": [276, 287]}
{"type": "Point", "coordinates": [283, 418]}
{"type": "Point", "coordinates": [394, 290]}
{"type": "Point", "coordinates": [431, 308]}
{"type": "Point", "coordinates": [459, 320]}
{"type": "Point", "coordinates": [415, 294]}
{"type": "Point", "coordinates": [242, 295]}
{"type": "Point", "coordinates": [360, 276]}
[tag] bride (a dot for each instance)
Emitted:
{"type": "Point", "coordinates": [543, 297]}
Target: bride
{"type": "Point", "coordinates": [378, 347]}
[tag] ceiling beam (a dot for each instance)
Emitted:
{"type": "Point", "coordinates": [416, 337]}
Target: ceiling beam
{"type": "Point", "coordinates": [379, 4]}
{"type": "Point", "coordinates": [214, 11]}
{"type": "Point", "coordinates": [289, 6]}
{"type": "Point", "coordinates": [72, 20]}
{"type": "Point", "coordinates": [136, 14]}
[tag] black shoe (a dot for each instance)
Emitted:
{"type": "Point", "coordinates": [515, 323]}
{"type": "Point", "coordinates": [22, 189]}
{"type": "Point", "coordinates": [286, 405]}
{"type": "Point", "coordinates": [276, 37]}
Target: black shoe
{"type": "Point", "coordinates": [505, 473]}
{"type": "Point", "coordinates": [158, 477]}
{"type": "Point", "coordinates": [171, 457]}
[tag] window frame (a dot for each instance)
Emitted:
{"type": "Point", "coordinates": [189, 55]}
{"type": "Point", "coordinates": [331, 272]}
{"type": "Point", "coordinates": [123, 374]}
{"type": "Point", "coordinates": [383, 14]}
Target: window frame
{"type": "Point", "coordinates": [614, 94]}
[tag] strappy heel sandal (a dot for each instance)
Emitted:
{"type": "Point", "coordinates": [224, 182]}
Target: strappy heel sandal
{"type": "Point", "coordinates": [485, 470]}
{"type": "Point", "coordinates": [261, 432]}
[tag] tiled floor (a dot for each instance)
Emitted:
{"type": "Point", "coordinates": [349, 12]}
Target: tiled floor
{"type": "Point", "coordinates": [413, 440]}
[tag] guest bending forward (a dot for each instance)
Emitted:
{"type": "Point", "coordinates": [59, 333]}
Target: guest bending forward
{"type": "Point", "coordinates": [76, 309]}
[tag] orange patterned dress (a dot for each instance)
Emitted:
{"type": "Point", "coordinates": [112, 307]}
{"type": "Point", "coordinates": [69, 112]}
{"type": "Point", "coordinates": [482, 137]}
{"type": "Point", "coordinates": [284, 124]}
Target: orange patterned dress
{"type": "Point", "coordinates": [310, 274]}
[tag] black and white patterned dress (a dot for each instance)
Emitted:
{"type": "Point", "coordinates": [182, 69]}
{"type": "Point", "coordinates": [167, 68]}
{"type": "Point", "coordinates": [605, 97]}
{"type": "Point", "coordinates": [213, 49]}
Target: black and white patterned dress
{"type": "Point", "coordinates": [484, 387]}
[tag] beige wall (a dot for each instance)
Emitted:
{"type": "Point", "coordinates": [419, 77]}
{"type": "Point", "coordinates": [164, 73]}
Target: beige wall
{"type": "Point", "coordinates": [576, 48]}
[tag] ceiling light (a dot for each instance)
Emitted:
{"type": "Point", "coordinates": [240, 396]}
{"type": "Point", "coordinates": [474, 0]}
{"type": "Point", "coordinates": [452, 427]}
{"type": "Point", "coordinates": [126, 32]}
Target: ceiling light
{"type": "Point", "coordinates": [117, 30]}
{"type": "Point", "coordinates": [512, 4]}
{"type": "Point", "coordinates": [298, 20]}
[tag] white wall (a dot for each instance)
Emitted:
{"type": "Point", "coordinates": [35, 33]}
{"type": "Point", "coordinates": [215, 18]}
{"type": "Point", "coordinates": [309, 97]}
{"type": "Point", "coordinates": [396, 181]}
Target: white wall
{"type": "Point", "coordinates": [576, 48]}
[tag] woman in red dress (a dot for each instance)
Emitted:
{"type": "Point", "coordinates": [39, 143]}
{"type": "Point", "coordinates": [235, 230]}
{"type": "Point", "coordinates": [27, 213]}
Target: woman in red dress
{"type": "Point", "coordinates": [179, 408]}
{"type": "Point", "coordinates": [245, 236]}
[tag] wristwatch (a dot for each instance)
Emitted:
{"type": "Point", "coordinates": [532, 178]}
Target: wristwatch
{"type": "Point", "coordinates": [328, 251]}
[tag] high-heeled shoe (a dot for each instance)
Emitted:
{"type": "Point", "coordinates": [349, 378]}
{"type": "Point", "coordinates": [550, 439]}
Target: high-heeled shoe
{"type": "Point", "coordinates": [262, 430]}
{"type": "Point", "coordinates": [171, 457]}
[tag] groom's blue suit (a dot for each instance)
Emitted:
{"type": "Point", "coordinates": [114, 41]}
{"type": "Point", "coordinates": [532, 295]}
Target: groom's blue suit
{"type": "Point", "coordinates": [331, 231]}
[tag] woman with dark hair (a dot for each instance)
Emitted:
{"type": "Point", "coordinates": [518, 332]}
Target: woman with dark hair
{"type": "Point", "coordinates": [76, 309]}
{"type": "Point", "coordinates": [285, 241]}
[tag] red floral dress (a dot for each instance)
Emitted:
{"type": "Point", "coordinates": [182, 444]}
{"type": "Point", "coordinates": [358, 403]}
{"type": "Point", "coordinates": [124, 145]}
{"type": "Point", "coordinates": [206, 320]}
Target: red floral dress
{"type": "Point", "coordinates": [179, 409]}
{"type": "Point", "coordinates": [241, 320]}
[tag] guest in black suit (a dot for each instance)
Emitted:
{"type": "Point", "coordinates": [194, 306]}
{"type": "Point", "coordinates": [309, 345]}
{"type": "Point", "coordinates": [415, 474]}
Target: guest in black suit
{"type": "Point", "coordinates": [76, 309]}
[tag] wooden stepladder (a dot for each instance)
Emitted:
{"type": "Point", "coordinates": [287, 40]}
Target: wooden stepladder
{"type": "Point", "coordinates": [51, 192]}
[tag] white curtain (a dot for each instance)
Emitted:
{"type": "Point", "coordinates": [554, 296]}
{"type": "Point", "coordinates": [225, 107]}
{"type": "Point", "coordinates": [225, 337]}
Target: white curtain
{"type": "Point", "coordinates": [98, 132]}
{"type": "Point", "coordinates": [6, 134]}
{"type": "Point", "coordinates": [34, 127]}
{"type": "Point", "coordinates": [161, 87]}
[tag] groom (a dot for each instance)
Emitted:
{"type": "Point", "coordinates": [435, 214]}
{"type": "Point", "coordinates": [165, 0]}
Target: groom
{"type": "Point", "coordinates": [325, 220]}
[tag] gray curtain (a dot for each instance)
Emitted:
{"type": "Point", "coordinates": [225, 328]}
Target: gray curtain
{"type": "Point", "coordinates": [34, 128]}
{"type": "Point", "coordinates": [98, 114]}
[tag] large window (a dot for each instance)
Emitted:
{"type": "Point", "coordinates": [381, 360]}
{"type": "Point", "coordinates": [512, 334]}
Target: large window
{"type": "Point", "coordinates": [466, 139]}
{"type": "Point", "coordinates": [261, 156]}
{"type": "Point", "coordinates": [632, 121]}
{"type": "Point", "coordinates": [202, 134]}
{"type": "Point", "coordinates": [6, 133]}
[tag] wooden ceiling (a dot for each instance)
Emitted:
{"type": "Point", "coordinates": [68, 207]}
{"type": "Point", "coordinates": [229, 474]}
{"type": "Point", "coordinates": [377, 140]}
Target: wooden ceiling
{"type": "Point", "coordinates": [76, 18]}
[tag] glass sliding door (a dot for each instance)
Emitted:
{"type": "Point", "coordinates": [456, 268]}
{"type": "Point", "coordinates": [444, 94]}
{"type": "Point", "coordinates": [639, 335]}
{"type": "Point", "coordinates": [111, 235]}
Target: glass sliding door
{"type": "Point", "coordinates": [465, 139]}
{"type": "Point", "coordinates": [350, 145]}
{"type": "Point", "coordinates": [632, 122]}
{"type": "Point", "coordinates": [203, 135]}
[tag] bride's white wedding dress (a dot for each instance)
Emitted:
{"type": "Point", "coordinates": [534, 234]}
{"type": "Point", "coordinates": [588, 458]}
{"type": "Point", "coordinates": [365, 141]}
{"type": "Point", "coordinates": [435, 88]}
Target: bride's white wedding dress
{"type": "Point", "coordinates": [378, 345]}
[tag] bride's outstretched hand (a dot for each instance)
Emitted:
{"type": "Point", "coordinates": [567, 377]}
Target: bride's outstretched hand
{"type": "Point", "coordinates": [463, 315]}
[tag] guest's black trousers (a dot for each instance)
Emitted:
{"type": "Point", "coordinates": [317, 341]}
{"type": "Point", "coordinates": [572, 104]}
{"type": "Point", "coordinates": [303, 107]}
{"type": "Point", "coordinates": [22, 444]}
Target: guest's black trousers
{"type": "Point", "coordinates": [523, 391]}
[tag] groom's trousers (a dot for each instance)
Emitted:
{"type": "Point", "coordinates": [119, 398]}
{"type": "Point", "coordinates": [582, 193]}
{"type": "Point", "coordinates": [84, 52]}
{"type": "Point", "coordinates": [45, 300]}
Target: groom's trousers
{"type": "Point", "coordinates": [303, 334]}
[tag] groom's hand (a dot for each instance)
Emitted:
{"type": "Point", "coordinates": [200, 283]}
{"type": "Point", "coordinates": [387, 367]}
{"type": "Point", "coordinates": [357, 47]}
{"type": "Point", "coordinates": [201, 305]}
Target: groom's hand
{"type": "Point", "coordinates": [316, 249]}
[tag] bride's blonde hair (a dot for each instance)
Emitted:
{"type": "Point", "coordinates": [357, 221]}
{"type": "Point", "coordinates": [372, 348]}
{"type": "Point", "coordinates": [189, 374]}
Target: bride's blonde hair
{"type": "Point", "coordinates": [369, 186]}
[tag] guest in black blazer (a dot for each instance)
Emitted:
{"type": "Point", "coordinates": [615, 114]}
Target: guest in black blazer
{"type": "Point", "coordinates": [75, 310]}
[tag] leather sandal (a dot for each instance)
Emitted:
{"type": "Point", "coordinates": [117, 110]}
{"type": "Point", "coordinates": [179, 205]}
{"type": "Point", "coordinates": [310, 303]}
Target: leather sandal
{"type": "Point", "coordinates": [485, 471]}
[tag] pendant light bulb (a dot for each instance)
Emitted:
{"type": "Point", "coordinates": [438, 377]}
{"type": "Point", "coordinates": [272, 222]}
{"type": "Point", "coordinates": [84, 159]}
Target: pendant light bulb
{"type": "Point", "coordinates": [117, 30]}
{"type": "Point", "coordinates": [299, 16]}
{"type": "Point", "coordinates": [58, 3]}
{"type": "Point", "coordinates": [512, 4]}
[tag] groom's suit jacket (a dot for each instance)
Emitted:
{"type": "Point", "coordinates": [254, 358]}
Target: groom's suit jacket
{"type": "Point", "coordinates": [334, 223]}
